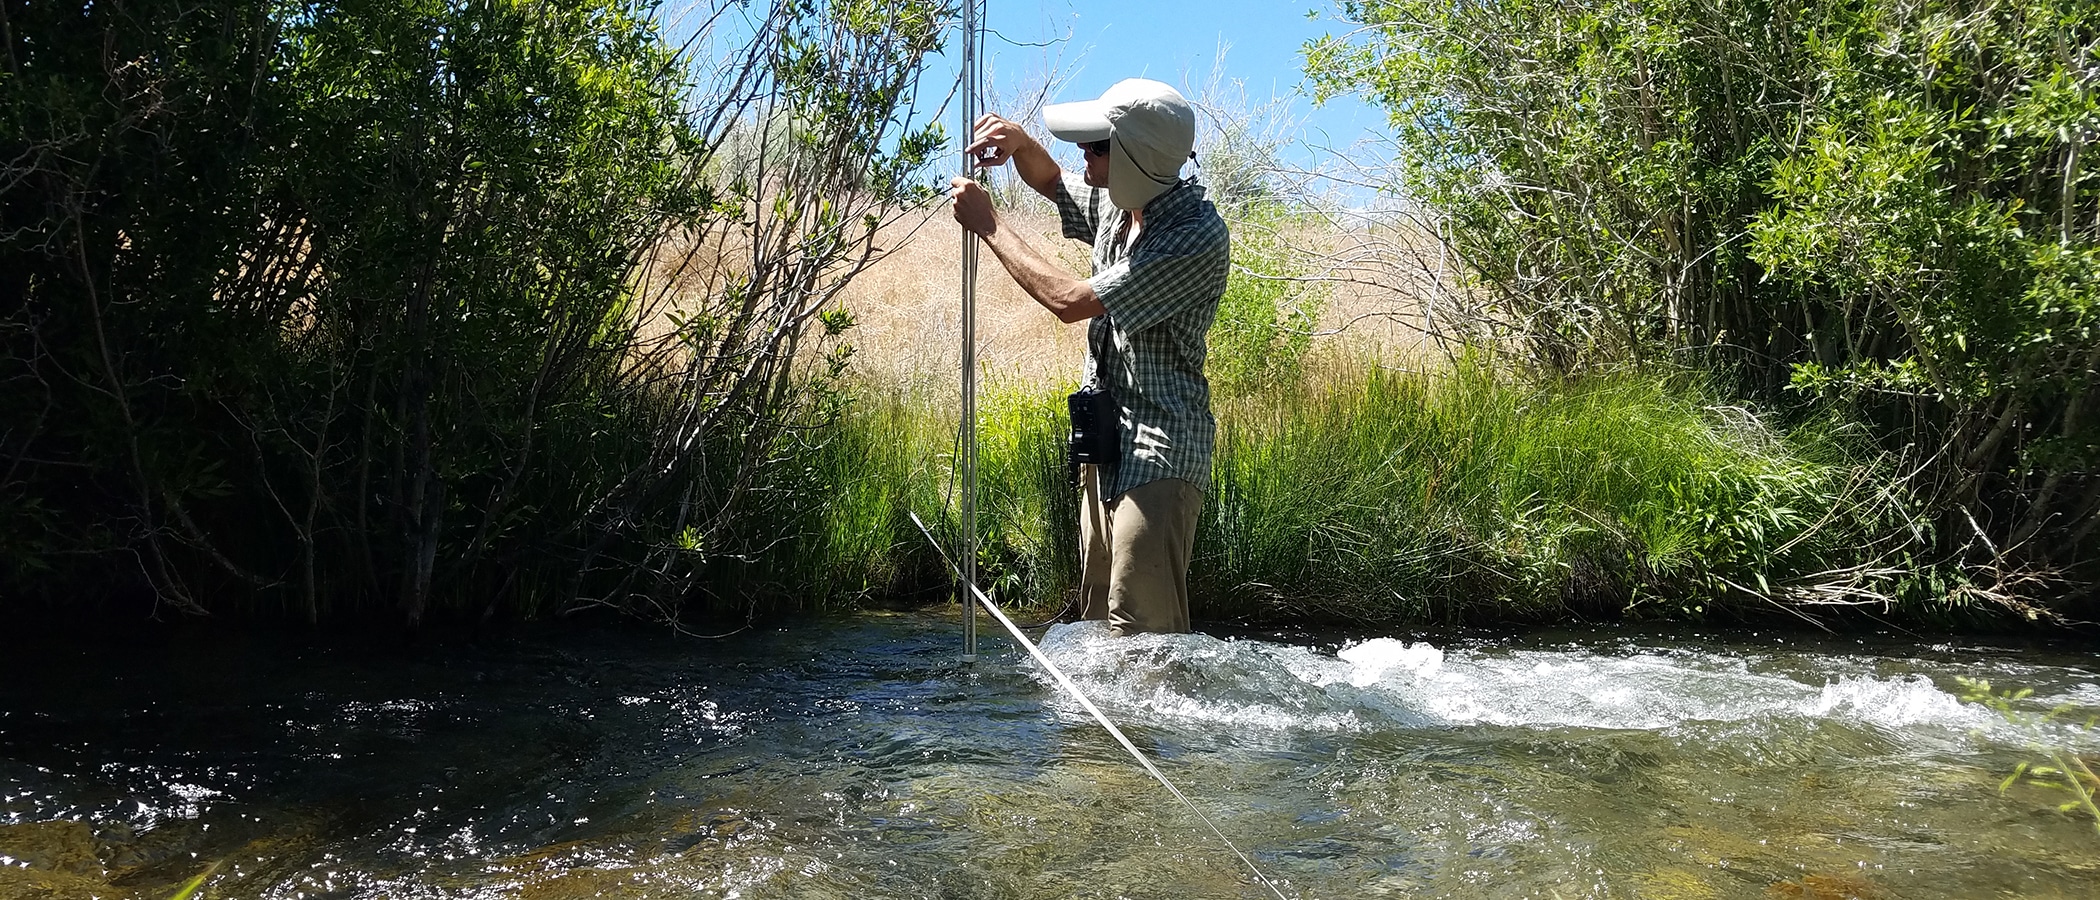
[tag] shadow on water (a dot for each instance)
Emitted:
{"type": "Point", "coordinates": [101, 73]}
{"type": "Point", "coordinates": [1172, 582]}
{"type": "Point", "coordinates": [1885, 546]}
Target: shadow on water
{"type": "Point", "coordinates": [858, 757]}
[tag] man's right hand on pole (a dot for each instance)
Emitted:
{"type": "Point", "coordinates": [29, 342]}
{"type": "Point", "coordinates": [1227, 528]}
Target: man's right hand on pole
{"type": "Point", "coordinates": [995, 141]}
{"type": "Point", "coordinates": [1003, 138]}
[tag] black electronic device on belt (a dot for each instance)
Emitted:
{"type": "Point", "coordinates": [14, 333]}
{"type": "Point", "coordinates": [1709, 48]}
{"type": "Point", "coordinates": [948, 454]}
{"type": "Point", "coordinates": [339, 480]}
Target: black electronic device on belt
{"type": "Point", "coordinates": [1096, 423]}
{"type": "Point", "coordinates": [1095, 420]}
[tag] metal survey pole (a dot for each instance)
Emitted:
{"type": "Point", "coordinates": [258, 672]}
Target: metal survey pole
{"type": "Point", "coordinates": [968, 462]}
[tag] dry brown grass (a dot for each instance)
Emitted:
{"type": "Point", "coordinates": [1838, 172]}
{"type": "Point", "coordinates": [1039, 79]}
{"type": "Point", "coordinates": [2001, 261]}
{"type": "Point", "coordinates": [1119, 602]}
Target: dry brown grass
{"type": "Point", "coordinates": [908, 303]}
{"type": "Point", "coordinates": [909, 307]}
{"type": "Point", "coordinates": [910, 310]}
{"type": "Point", "coordinates": [1382, 286]}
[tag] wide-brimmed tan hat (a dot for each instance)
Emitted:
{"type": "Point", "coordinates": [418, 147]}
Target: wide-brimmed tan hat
{"type": "Point", "coordinates": [1150, 130]}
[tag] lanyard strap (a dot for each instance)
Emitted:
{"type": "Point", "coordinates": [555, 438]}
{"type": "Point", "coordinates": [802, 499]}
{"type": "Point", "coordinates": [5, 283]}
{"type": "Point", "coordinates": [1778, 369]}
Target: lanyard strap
{"type": "Point", "coordinates": [1100, 349]}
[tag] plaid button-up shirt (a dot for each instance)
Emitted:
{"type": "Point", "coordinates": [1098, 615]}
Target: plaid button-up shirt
{"type": "Point", "coordinates": [1161, 292]}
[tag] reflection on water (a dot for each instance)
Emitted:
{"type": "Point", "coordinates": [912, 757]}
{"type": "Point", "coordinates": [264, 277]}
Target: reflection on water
{"type": "Point", "coordinates": [860, 758]}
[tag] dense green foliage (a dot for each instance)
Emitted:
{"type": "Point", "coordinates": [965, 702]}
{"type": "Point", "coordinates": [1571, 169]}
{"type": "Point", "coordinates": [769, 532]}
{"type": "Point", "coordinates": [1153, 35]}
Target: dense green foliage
{"type": "Point", "coordinates": [331, 308]}
{"type": "Point", "coordinates": [1265, 318]}
{"type": "Point", "coordinates": [1881, 206]}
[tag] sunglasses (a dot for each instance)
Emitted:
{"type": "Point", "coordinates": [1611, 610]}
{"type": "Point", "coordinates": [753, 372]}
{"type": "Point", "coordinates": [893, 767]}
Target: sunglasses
{"type": "Point", "coordinates": [1095, 148]}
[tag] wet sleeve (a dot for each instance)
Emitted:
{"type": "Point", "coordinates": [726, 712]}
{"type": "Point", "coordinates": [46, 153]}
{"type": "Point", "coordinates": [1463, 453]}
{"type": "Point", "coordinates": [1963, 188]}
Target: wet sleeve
{"type": "Point", "coordinates": [1079, 207]}
{"type": "Point", "coordinates": [1164, 276]}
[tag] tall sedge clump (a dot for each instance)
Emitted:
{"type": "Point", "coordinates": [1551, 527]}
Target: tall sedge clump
{"type": "Point", "coordinates": [891, 451]}
{"type": "Point", "coordinates": [1470, 495]}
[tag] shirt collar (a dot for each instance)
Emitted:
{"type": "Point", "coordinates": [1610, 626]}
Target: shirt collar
{"type": "Point", "coordinates": [1184, 196]}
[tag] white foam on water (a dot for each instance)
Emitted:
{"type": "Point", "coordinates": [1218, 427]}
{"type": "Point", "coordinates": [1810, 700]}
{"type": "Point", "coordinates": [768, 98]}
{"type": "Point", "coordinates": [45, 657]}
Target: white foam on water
{"type": "Point", "coordinates": [1386, 683]}
{"type": "Point", "coordinates": [1892, 703]}
{"type": "Point", "coordinates": [1200, 678]}
{"type": "Point", "coordinates": [2085, 695]}
{"type": "Point", "coordinates": [1373, 658]}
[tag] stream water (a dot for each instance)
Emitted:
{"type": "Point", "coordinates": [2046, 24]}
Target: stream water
{"type": "Point", "coordinates": [860, 758]}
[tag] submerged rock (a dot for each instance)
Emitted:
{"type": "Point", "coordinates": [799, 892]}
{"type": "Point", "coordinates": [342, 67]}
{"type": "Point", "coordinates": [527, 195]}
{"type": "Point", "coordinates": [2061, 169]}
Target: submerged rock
{"type": "Point", "coordinates": [41, 884]}
{"type": "Point", "coordinates": [57, 846]}
{"type": "Point", "coordinates": [52, 861]}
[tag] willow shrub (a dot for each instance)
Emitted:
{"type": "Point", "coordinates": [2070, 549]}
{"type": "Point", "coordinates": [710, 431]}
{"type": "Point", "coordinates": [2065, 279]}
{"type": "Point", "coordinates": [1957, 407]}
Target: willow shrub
{"type": "Point", "coordinates": [348, 310]}
{"type": "Point", "coordinates": [1884, 205]}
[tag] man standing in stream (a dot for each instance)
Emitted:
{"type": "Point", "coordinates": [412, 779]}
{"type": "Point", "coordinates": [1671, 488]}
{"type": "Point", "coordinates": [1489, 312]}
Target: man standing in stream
{"type": "Point", "coordinates": [1161, 256]}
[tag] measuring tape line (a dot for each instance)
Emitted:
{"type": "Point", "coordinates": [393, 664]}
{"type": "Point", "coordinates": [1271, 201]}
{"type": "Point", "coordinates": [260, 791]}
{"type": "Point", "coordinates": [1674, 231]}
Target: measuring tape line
{"type": "Point", "coordinates": [1073, 689]}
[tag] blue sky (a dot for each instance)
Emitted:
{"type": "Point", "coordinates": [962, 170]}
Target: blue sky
{"type": "Point", "coordinates": [1092, 44]}
{"type": "Point", "coordinates": [1175, 41]}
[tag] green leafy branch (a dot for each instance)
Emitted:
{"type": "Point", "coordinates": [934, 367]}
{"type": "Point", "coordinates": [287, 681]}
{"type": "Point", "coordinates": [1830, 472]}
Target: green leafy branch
{"type": "Point", "coordinates": [2062, 769]}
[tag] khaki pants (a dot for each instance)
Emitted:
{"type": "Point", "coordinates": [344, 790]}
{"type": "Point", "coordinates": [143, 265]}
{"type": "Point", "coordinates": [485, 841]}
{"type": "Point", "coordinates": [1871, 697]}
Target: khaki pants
{"type": "Point", "coordinates": [1134, 554]}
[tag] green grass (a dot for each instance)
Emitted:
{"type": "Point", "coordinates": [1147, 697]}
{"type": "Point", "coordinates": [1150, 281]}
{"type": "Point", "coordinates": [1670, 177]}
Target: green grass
{"type": "Point", "coordinates": [891, 451]}
{"type": "Point", "coordinates": [1369, 494]}
{"type": "Point", "coordinates": [1466, 495]}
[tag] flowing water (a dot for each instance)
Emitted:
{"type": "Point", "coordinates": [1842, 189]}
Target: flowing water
{"type": "Point", "coordinates": [861, 758]}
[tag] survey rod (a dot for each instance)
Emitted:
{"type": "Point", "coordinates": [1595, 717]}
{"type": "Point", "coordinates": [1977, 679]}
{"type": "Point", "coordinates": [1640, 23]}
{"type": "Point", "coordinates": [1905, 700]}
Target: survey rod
{"type": "Point", "coordinates": [967, 450]}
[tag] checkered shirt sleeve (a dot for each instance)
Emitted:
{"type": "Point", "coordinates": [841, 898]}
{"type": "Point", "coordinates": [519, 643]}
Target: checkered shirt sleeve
{"type": "Point", "coordinates": [1079, 207]}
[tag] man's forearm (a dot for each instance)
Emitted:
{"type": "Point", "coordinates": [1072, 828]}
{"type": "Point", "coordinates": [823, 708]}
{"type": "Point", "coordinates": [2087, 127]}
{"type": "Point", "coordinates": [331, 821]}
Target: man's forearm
{"type": "Point", "coordinates": [1038, 171]}
{"type": "Point", "coordinates": [1070, 299]}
